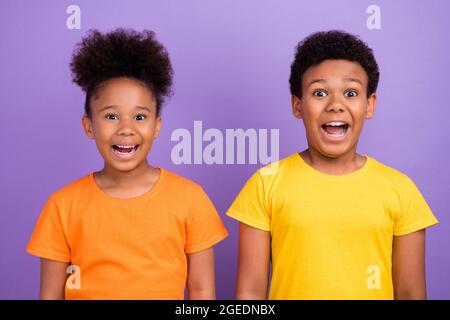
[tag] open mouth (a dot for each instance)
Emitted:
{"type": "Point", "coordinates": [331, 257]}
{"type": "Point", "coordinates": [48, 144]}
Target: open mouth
{"type": "Point", "coordinates": [126, 150]}
{"type": "Point", "coordinates": [335, 128]}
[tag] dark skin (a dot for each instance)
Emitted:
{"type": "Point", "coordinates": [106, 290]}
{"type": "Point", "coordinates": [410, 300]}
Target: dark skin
{"type": "Point", "coordinates": [123, 112]}
{"type": "Point", "coordinates": [332, 90]}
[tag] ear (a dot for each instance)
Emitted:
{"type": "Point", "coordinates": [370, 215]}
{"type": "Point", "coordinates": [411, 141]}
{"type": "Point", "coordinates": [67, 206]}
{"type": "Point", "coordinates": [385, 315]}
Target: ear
{"type": "Point", "coordinates": [371, 103]}
{"type": "Point", "coordinates": [87, 126]}
{"type": "Point", "coordinates": [157, 127]}
{"type": "Point", "coordinates": [296, 107]}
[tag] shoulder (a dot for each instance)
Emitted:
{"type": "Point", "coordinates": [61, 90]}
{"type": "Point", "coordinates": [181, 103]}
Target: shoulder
{"type": "Point", "coordinates": [389, 175]}
{"type": "Point", "coordinates": [72, 190]}
{"type": "Point", "coordinates": [183, 192]}
{"type": "Point", "coordinates": [179, 185]}
{"type": "Point", "coordinates": [279, 170]}
{"type": "Point", "coordinates": [270, 177]}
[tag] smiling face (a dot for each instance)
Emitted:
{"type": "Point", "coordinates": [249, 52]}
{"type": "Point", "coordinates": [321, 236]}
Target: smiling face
{"type": "Point", "coordinates": [123, 123]}
{"type": "Point", "coordinates": [334, 106]}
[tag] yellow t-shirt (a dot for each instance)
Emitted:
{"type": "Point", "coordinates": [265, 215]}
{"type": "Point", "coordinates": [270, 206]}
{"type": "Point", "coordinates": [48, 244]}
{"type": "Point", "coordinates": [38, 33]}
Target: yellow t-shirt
{"type": "Point", "coordinates": [127, 248]}
{"type": "Point", "coordinates": [331, 235]}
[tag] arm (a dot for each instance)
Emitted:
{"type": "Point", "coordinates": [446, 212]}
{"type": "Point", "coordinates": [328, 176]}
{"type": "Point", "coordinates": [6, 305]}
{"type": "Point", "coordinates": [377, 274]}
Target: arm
{"type": "Point", "coordinates": [200, 279]}
{"type": "Point", "coordinates": [254, 263]}
{"type": "Point", "coordinates": [408, 266]}
{"type": "Point", "coordinates": [53, 279]}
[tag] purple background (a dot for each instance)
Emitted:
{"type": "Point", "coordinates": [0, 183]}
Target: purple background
{"type": "Point", "coordinates": [231, 62]}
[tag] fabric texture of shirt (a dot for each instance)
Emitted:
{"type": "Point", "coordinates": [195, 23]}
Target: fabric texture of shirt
{"type": "Point", "coordinates": [331, 235]}
{"type": "Point", "coordinates": [131, 248]}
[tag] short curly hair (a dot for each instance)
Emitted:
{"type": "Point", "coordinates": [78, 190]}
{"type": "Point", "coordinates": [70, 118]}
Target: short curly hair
{"type": "Point", "coordinates": [333, 44]}
{"type": "Point", "coordinates": [122, 53]}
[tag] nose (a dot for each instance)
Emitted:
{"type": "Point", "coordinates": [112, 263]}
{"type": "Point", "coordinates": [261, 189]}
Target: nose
{"type": "Point", "coordinates": [126, 127]}
{"type": "Point", "coordinates": [335, 105]}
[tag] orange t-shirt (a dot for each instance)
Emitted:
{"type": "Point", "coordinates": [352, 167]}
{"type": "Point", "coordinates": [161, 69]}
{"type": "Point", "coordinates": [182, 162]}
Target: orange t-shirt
{"type": "Point", "coordinates": [127, 248]}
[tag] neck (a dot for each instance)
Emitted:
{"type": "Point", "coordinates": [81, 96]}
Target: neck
{"type": "Point", "coordinates": [344, 164]}
{"type": "Point", "coordinates": [131, 178]}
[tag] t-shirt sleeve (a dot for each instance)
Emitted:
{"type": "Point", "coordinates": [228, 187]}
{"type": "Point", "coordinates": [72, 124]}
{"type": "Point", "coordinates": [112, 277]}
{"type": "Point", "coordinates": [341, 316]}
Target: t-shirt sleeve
{"type": "Point", "coordinates": [205, 228]}
{"type": "Point", "coordinates": [48, 239]}
{"type": "Point", "coordinates": [250, 206]}
{"type": "Point", "coordinates": [414, 214]}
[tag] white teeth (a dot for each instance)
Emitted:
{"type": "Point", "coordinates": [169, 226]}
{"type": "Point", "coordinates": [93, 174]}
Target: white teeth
{"type": "Point", "coordinates": [126, 146]}
{"type": "Point", "coordinates": [335, 123]}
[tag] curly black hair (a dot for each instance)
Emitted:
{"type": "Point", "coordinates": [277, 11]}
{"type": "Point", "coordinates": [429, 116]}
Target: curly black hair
{"type": "Point", "coordinates": [122, 53]}
{"type": "Point", "coordinates": [333, 44]}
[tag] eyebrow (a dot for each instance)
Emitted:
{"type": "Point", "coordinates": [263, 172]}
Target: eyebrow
{"type": "Point", "coordinates": [316, 81]}
{"type": "Point", "coordinates": [324, 81]}
{"type": "Point", "coordinates": [143, 108]}
{"type": "Point", "coordinates": [105, 108]}
{"type": "Point", "coordinates": [353, 80]}
{"type": "Point", "coordinates": [113, 107]}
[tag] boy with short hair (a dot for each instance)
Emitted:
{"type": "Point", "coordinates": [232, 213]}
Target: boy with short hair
{"type": "Point", "coordinates": [130, 230]}
{"type": "Point", "coordinates": [334, 224]}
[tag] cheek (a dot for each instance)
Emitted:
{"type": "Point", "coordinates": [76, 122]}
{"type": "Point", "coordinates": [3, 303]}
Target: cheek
{"type": "Point", "coordinates": [311, 118]}
{"type": "Point", "coordinates": [103, 132]}
{"type": "Point", "coordinates": [359, 110]}
{"type": "Point", "coordinates": [313, 108]}
{"type": "Point", "coordinates": [147, 131]}
{"type": "Point", "coordinates": [359, 106]}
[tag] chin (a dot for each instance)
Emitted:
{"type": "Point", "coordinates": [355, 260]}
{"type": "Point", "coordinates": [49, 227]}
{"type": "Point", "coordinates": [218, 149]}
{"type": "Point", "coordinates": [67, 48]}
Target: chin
{"type": "Point", "coordinates": [124, 166]}
{"type": "Point", "coordinates": [333, 153]}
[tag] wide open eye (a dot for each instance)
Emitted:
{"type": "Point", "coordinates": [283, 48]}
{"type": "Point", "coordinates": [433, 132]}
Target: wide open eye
{"type": "Point", "coordinates": [320, 93]}
{"type": "Point", "coordinates": [140, 117]}
{"type": "Point", "coordinates": [350, 93]}
{"type": "Point", "coordinates": [110, 116]}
